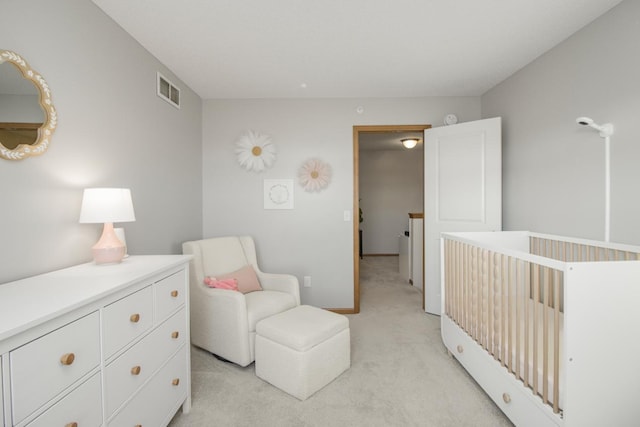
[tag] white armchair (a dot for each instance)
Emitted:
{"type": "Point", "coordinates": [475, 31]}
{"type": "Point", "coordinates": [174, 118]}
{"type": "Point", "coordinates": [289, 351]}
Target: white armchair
{"type": "Point", "coordinates": [223, 321]}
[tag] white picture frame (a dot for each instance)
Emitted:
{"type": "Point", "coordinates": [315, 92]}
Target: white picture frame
{"type": "Point", "coordinates": [278, 193]}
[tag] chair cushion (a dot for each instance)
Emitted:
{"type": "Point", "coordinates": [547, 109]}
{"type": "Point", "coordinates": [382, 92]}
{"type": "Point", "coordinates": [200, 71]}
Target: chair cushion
{"type": "Point", "coordinates": [263, 304]}
{"type": "Point", "coordinates": [302, 328]}
{"type": "Point", "coordinates": [246, 278]}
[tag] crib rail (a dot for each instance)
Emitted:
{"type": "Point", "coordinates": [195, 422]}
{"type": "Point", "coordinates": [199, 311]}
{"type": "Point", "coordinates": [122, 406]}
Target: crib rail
{"type": "Point", "coordinates": [512, 308]}
{"type": "Point", "coordinates": [568, 251]}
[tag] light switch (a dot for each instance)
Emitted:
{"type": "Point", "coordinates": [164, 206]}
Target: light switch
{"type": "Point", "coordinates": [347, 216]}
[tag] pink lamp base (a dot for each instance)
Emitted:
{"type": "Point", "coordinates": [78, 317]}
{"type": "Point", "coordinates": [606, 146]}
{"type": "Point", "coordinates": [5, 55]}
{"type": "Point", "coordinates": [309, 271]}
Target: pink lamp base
{"type": "Point", "coordinates": [109, 248]}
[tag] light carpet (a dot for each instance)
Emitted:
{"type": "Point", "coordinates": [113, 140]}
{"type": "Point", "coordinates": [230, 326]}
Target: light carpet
{"type": "Point", "coordinates": [400, 375]}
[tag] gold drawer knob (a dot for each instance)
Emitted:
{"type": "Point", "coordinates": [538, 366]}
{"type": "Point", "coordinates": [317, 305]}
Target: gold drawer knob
{"type": "Point", "coordinates": [67, 358]}
{"type": "Point", "coordinates": [74, 424]}
{"type": "Point", "coordinates": [175, 334]}
{"type": "Point", "coordinates": [135, 318]}
{"type": "Point", "coordinates": [135, 370]}
{"type": "Point", "coordinates": [506, 397]}
{"type": "Point", "coordinates": [460, 349]}
{"type": "Point", "coordinates": [174, 294]}
{"type": "Point", "coordinates": [176, 381]}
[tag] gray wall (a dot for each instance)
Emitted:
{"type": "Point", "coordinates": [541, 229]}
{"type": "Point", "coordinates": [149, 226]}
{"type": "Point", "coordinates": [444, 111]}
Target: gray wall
{"type": "Point", "coordinates": [312, 239]}
{"type": "Point", "coordinates": [553, 169]}
{"type": "Point", "coordinates": [112, 131]}
{"type": "Point", "coordinates": [391, 185]}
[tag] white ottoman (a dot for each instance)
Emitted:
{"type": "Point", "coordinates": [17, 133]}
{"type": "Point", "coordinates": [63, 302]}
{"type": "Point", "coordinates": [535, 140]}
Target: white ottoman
{"type": "Point", "coordinates": [302, 350]}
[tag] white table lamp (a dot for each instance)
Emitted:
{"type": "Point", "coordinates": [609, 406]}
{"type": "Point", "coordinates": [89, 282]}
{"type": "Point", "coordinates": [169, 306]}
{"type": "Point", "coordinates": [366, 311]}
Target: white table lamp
{"type": "Point", "coordinates": [107, 205]}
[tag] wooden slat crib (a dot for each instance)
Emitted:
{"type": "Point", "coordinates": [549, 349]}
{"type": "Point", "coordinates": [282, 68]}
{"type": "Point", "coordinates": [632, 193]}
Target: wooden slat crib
{"type": "Point", "coordinates": [547, 325]}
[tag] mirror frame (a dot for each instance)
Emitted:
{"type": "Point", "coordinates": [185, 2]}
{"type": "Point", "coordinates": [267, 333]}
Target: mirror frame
{"type": "Point", "coordinates": [50, 122]}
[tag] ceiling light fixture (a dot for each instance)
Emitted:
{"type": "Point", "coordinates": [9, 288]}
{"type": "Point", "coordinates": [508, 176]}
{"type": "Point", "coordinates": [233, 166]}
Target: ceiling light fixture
{"type": "Point", "coordinates": [409, 142]}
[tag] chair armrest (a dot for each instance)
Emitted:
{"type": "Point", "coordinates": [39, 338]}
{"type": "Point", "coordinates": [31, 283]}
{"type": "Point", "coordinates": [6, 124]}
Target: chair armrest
{"type": "Point", "coordinates": [226, 296]}
{"type": "Point", "coordinates": [280, 282]}
{"type": "Point", "coordinates": [219, 323]}
{"type": "Point", "coordinates": [217, 307]}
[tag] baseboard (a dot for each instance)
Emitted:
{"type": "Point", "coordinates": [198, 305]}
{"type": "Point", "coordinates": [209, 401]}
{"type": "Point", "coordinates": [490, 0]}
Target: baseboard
{"type": "Point", "coordinates": [380, 255]}
{"type": "Point", "coordinates": [342, 310]}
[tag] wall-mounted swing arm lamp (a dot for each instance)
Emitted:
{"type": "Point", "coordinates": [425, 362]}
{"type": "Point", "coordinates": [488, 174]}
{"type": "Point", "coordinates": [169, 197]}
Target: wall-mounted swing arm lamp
{"type": "Point", "coordinates": [409, 142]}
{"type": "Point", "coordinates": [605, 130]}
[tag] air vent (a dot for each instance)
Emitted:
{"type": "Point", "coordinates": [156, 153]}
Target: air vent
{"type": "Point", "coordinates": [168, 91]}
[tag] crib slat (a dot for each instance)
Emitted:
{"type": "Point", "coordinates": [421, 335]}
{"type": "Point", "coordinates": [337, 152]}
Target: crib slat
{"type": "Point", "coordinates": [482, 299]}
{"type": "Point", "coordinates": [545, 335]}
{"type": "Point", "coordinates": [476, 298]}
{"type": "Point", "coordinates": [491, 320]}
{"type": "Point", "coordinates": [446, 283]}
{"type": "Point", "coordinates": [465, 285]}
{"type": "Point", "coordinates": [505, 308]}
{"type": "Point", "coordinates": [457, 268]}
{"type": "Point", "coordinates": [518, 314]}
{"type": "Point", "coordinates": [526, 296]}
{"type": "Point", "coordinates": [486, 316]}
{"type": "Point", "coordinates": [497, 305]}
{"type": "Point", "coordinates": [451, 265]}
{"type": "Point", "coordinates": [512, 311]}
{"type": "Point", "coordinates": [458, 282]}
{"type": "Point", "coordinates": [466, 268]}
{"type": "Point", "coordinates": [556, 343]}
{"type": "Point", "coordinates": [536, 298]}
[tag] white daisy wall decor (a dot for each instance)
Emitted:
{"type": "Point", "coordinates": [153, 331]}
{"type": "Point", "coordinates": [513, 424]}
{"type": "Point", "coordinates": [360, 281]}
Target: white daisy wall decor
{"type": "Point", "coordinates": [255, 151]}
{"type": "Point", "coordinates": [314, 175]}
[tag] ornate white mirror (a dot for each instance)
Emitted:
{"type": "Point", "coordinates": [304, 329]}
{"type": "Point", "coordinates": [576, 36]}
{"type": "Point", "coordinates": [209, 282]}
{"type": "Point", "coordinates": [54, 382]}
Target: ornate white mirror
{"type": "Point", "coordinates": [27, 115]}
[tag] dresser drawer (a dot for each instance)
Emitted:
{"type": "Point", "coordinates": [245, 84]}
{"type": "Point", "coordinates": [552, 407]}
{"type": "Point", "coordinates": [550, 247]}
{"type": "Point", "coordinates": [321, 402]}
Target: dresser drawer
{"type": "Point", "coordinates": [43, 368]}
{"type": "Point", "coordinates": [170, 294]}
{"type": "Point", "coordinates": [127, 319]}
{"type": "Point", "coordinates": [82, 406]}
{"type": "Point", "coordinates": [130, 370]}
{"type": "Point", "coordinates": [158, 400]}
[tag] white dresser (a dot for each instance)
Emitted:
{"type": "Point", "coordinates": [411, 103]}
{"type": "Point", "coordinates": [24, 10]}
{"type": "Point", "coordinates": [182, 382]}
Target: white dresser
{"type": "Point", "coordinates": [97, 345]}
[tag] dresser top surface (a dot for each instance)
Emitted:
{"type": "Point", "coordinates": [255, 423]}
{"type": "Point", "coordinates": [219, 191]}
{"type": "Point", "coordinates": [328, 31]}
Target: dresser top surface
{"type": "Point", "coordinates": [29, 302]}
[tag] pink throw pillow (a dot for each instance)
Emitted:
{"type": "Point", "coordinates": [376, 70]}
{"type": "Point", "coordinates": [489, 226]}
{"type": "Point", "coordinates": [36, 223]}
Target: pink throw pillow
{"type": "Point", "coordinates": [246, 277]}
{"type": "Point", "coordinates": [230, 284]}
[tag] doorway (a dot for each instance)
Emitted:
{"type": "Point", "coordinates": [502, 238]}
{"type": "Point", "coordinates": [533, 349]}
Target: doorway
{"type": "Point", "coordinates": [359, 133]}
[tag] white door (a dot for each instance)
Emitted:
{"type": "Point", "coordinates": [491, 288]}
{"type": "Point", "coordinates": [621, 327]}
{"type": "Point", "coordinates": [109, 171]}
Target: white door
{"type": "Point", "coordinates": [463, 190]}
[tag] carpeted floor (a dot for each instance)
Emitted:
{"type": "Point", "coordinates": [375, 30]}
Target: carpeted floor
{"type": "Point", "coordinates": [400, 375]}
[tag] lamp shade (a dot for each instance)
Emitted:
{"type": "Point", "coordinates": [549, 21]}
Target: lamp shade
{"type": "Point", "coordinates": [106, 205]}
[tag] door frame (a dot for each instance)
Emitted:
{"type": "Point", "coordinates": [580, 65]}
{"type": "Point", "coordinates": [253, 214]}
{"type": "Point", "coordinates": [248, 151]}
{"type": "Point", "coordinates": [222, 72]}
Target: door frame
{"type": "Point", "coordinates": [356, 198]}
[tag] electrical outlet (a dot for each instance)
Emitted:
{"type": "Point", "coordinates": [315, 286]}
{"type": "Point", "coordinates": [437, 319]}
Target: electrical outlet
{"type": "Point", "coordinates": [307, 281]}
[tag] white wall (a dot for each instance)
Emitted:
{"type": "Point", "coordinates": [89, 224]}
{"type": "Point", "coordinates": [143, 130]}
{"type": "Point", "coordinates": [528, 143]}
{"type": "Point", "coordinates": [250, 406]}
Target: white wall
{"type": "Point", "coordinates": [112, 131]}
{"type": "Point", "coordinates": [312, 239]}
{"type": "Point", "coordinates": [391, 186]}
{"type": "Point", "coordinates": [553, 169]}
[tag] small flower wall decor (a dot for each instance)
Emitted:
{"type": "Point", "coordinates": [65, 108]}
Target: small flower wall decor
{"type": "Point", "coordinates": [255, 151]}
{"type": "Point", "coordinates": [314, 175]}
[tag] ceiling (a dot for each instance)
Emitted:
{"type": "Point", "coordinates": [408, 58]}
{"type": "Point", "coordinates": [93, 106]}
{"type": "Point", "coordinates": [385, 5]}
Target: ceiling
{"type": "Point", "coordinates": [348, 48]}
